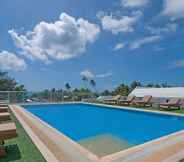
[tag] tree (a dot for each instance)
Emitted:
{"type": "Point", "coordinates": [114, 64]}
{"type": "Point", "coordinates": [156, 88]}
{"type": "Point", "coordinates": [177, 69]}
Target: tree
{"type": "Point", "coordinates": [67, 86]}
{"type": "Point", "coordinates": [82, 93]}
{"type": "Point", "coordinates": [93, 84]}
{"type": "Point", "coordinates": [106, 93]}
{"type": "Point", "coordinates": [150, 85]}
{"type": "Point", "coordinates": [135, 84]}
{"type": "Point", "coordinates": [53, 90]}
{"type": "Point", "coordinates": [85, 80]}
{"type": "Point", "coordinates": [157, 86]}
{"type": "Point", "coordinates": [122, 89]}
{"type": "Point", "coordinates": [165, 85]}
{"type": "Point", "coordinates": [9, 84]}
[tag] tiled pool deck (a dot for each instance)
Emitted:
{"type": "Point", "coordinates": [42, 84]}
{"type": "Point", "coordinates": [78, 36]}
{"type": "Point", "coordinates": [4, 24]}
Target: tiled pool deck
{"type": "Point", "coordinates": [56, 147]}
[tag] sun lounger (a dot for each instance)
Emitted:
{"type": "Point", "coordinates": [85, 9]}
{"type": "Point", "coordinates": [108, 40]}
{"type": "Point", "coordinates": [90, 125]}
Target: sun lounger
{"type": "Point", "coordinates": [172, 103]}
{"type": "Point", "coordinates": [4, 116]}
{"type": "Point", "coordinates": [146, 101]}
{"type": "Point", "coordinates": [113, 100]}
{"type": "Point", "coordinates": [3, 109]}
{"type": "Point", "coordinates": [3, 101]}
{"type": "Point", "coordinates": [7, 131]}
{"type": "Point", "coordinates": [127, 101]}
{"type": "Point", "coordinates": [3, 105]}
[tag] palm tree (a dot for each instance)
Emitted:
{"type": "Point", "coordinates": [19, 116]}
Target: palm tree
{"type": "Point", "coordinates": [93, 84]}
{"type": "Point", "coordinates": [85, 80]}
{"type": "Point", "coordinates": [135, 84]}
{"type": "Point", "coordinates": [67, 86]}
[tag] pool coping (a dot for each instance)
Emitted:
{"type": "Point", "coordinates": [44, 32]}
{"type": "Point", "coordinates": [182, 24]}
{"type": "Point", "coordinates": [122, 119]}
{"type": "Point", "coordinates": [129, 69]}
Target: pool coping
{"type": "Point", "coordinates": [133, 153]}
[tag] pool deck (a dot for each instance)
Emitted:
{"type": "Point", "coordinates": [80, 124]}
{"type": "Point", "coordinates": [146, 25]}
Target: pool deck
{"type": "Point", "coordinates": [56, 147]}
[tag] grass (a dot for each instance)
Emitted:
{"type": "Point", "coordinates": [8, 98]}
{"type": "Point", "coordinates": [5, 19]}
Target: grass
{"type": "Point", "coordinates": [179, 111]}
{"type": "Point", "coordinates": [21, 149]}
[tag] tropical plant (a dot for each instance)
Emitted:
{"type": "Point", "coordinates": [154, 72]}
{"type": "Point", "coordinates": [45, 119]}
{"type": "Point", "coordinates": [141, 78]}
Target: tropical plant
{"type": "Point", "coordinates": [106, 93]}
{"type": "Point", "coordinates": [67, 86]}
{"type": "Point", "coordinates": [135, 84]}
{"type": "Point", "coordinates": [85, 80]}
{"type": "Point", "coordinates": [150, 85]}
{"type": "Point", "coordinates": [93, 84]}
{"type": "Point", "coordinates": [165, 85]}
{"type": "Point", "coordinates": [9, 84]}
{"type": "Point", "coordinates": [122, 89]}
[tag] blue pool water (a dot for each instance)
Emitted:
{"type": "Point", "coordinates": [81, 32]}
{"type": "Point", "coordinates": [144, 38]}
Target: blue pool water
{"type": "Point", "coordinates": [80, 121]}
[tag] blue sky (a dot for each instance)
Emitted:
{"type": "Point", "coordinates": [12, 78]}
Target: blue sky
{"type": "Point", "coordinates": [44, 44]}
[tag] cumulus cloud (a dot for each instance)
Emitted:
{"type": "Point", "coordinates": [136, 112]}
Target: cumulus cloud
{"type": "Point", "coordinates": [122, 24]}
{"type": "Point", "coordinates": [169, 28]}
{"type": "Point", "coordinates": [145, 40]}
{"type": "Point", "coordinates": [174, 9]}
{"type": "Point", "coordinates": [89, 74]}
{"type": "Point", "coordinates": [63, 39]}
{"type": "Point", "coordinates": [119, 46]}
{"type": "Point", "coordinates": [9, 61]}
{"type": "Point", "coordinates": [134, 3]}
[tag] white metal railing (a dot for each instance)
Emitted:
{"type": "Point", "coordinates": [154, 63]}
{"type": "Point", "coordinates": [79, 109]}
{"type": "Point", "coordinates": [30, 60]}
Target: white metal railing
{"type": "Point", "coordinates": [45, 96]}
{"type": "Point", "coordinates": [12, 96]}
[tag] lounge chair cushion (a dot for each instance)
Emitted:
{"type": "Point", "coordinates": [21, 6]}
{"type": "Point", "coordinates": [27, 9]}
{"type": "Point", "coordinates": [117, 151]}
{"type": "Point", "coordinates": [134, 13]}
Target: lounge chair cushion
{"type": "Point", "coordinates": [128, 99]}
{"type": "Point", "coordinates": [4, 116]}
{"type": "Point", "coordinates": [172, 102]}
{"type": "Point", "coordinates": [7, 131]}
{"type": "Point", "coordinates": [3, 109]}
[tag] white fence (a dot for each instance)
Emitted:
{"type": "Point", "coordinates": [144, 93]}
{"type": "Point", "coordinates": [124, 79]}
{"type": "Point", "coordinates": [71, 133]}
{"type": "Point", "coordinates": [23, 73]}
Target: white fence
{"type": "Point", "coordinates": [45, 96]}
{"type": "Point", "coordinates": [12, 96]}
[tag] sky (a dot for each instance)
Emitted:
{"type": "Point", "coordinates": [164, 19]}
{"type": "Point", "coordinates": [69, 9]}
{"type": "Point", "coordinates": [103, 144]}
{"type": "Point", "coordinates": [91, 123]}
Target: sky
{"type": "Point", "coordinates": [45, 44]}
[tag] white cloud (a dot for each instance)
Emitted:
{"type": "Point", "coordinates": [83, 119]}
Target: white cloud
{"type": "Point", "coordinates": [63, 39]}
{"type": "Point", "coordinates": [169, 28]}
{"type": "Point", "coordinates": [134, 3]}
{"type": "Point", "coordinates": [119, 46]}
{"type": "Point", "coordinates": [123, 24]}
{"type": "Point", "coordinates": [104, 75]}
{"type": "Point", "coordinates": [9, 61]}
{"type": "Point", "coordinates": [174, 9]}
{"type": "Point", "coordinates": [89, 74]}
{"type": "Point", "coordinates": [145, 40]}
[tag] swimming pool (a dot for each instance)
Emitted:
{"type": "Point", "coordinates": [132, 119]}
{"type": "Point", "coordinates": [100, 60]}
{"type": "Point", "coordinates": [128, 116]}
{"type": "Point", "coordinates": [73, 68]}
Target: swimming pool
{"type": "Point", "coordinates": [119, 128]}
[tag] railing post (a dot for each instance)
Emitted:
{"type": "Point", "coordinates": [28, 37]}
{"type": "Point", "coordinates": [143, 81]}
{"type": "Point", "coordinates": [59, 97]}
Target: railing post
{"type": "Point", "coordinates": [62, 96]}
{"type": "Point", "coordinates": [23, 97]}
{"type": "Point", "coordinates": [8, 97]}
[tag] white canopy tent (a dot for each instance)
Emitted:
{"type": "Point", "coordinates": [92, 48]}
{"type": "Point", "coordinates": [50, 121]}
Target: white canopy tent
{"type": "Point", "coordinates": [177, 92]}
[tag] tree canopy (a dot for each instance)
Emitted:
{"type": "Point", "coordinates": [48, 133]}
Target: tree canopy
{"type": "Point", "coordinates": [8, 83]}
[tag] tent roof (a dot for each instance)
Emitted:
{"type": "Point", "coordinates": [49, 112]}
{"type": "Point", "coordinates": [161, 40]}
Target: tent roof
{"type": "Point", "coordinates": [159, 92]}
